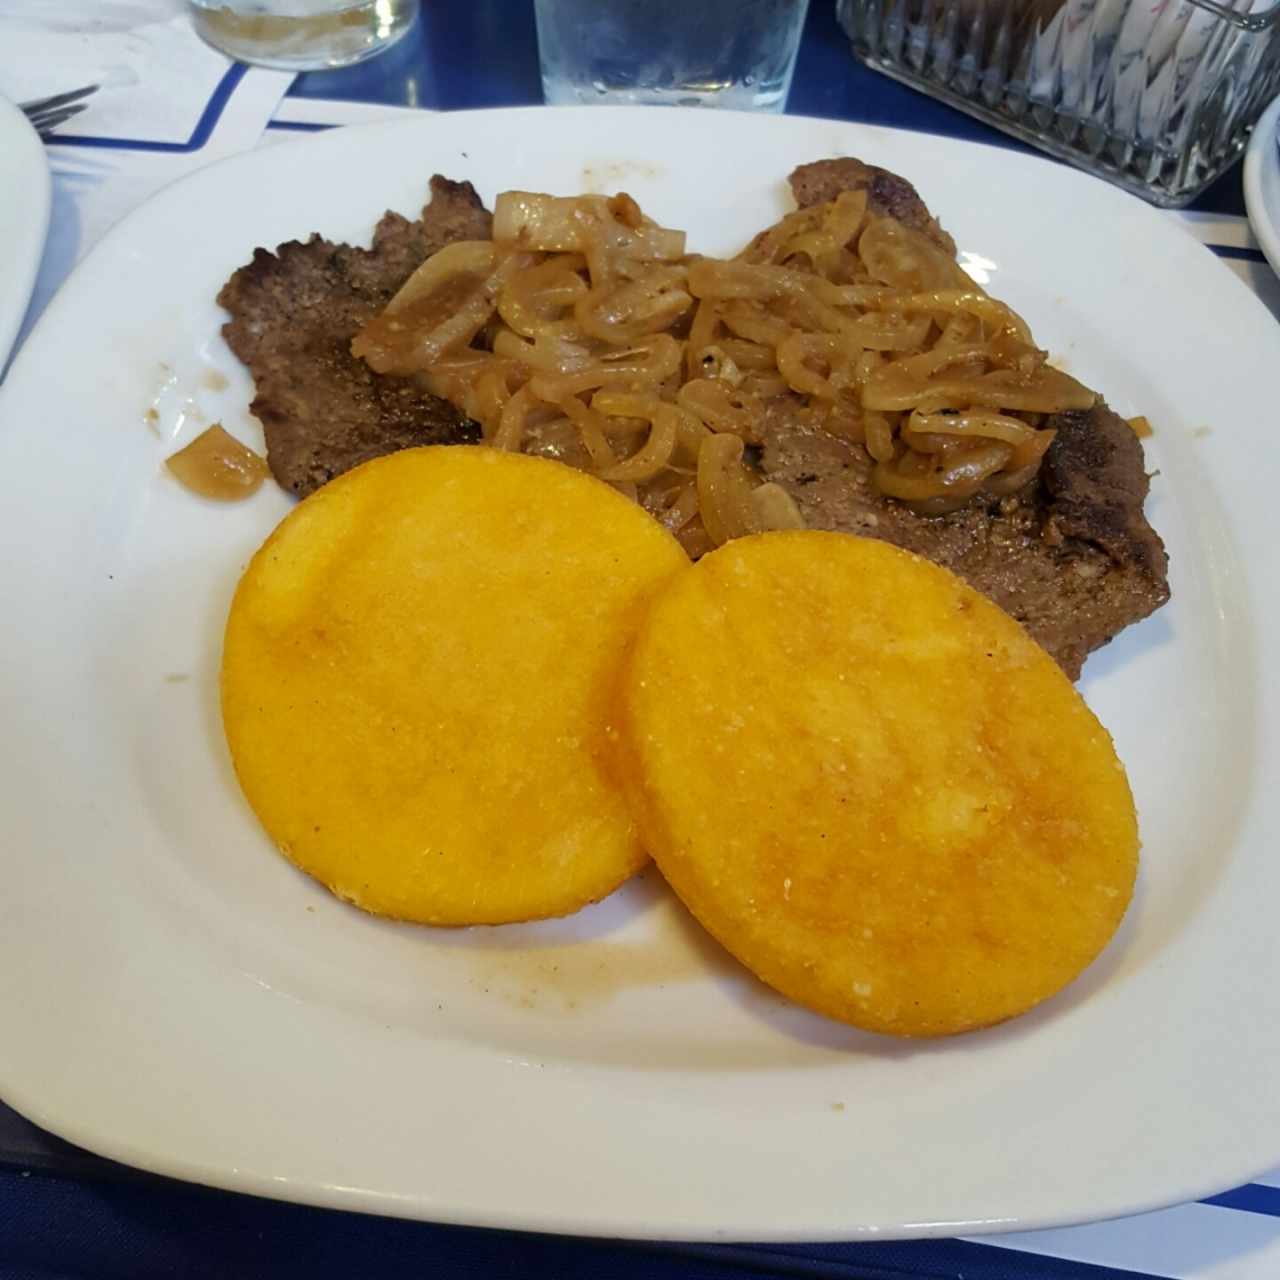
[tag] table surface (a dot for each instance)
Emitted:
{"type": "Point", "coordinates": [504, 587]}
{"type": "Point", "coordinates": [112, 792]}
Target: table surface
{"type": "Point", "coordinates": [67, 1213]}
{"type": "Point", "coordinates": [483, 53]}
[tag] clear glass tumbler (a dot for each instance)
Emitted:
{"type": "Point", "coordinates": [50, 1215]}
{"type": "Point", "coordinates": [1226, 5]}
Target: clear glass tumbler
{"type": "Point", "coordinates": [704, 53]}
{"type": "Point", "coordinates": [302, 35]}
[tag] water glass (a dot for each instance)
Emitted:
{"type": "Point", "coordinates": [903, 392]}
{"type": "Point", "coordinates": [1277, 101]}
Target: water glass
{"type": "Point", "coordinates": [302, 35]}
{"type": "Point", "coordinates": [706, 53]}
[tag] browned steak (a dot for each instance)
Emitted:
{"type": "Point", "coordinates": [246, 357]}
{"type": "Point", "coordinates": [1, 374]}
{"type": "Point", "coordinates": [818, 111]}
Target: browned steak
{"type": "Point", "coordinates": [293, 315]}
{"type": "Point", "coordinates": [887, 194]}
{"type": "Point", "coordinates": [1072, 556]}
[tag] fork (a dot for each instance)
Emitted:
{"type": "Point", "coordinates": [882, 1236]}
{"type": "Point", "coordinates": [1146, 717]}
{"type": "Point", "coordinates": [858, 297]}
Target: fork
{"type": "Point", "coordinates": [46, 114]}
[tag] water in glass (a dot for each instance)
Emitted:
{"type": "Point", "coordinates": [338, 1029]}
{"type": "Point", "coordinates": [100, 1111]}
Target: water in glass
{"type": "Point", "coordinates": [301, 35]}
{"type": "Point", "coordinates": [709, 53]}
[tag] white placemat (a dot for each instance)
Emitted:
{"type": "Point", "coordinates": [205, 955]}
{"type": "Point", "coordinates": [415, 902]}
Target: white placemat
{"type": "Point", "coordinates": [166, 105]}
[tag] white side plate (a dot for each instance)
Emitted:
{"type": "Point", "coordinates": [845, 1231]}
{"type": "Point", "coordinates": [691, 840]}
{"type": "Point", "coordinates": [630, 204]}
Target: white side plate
{"type": "Point", "coordinates": [1262, 183]}
{"type": "Point", "coordinates": [24, 218]}
{"type": "Point", "coordinates": [174, 995]}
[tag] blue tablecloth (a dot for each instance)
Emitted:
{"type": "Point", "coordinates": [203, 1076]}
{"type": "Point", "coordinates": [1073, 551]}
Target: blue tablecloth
{"type": "Point", "coordinates": [144, 1229]}
{"type": "Point", "coordinates": [65, 1213]}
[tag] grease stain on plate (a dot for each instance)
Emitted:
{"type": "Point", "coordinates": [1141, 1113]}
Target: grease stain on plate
{"type": "Point", "coordinates": [565, 975]}
{"type": "Point", "coordinates": [597, 175]}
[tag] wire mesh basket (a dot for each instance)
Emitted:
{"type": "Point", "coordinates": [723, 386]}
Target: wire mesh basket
{"type": "Point", "coordinates": [1155, 95]}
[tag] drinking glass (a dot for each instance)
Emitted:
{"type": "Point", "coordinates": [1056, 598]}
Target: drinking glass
{"type": "Point", "coordinates": [302, 35]}
{"type": "Point", "coordinates": [707, 53]}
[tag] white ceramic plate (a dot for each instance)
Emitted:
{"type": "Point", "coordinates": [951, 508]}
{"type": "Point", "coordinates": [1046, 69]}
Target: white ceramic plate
{"type": "Point", "coordinates": [174, 995]}
{"type": "Point", "coordinates": [24, 218]}
{"type": "Point", "coordinates": [1262, 183]}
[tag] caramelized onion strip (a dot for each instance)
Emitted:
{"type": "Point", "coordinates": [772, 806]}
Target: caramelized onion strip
{"type": "Point", "coordinates": [664, 433]}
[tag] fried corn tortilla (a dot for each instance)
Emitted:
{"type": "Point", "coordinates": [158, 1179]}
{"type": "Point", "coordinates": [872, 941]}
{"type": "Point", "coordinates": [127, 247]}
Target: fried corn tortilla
{"type": "Point", "coordinates": [871, 785]}
{"type": "Point", "coordinates": [415, 680]}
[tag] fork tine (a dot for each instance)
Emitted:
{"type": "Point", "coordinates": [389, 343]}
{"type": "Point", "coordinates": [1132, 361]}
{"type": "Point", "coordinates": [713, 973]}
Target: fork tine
{"type": "Point", "coordinates": [57, 100]}
{"type": "Point", "coordinates": [50, 120]}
